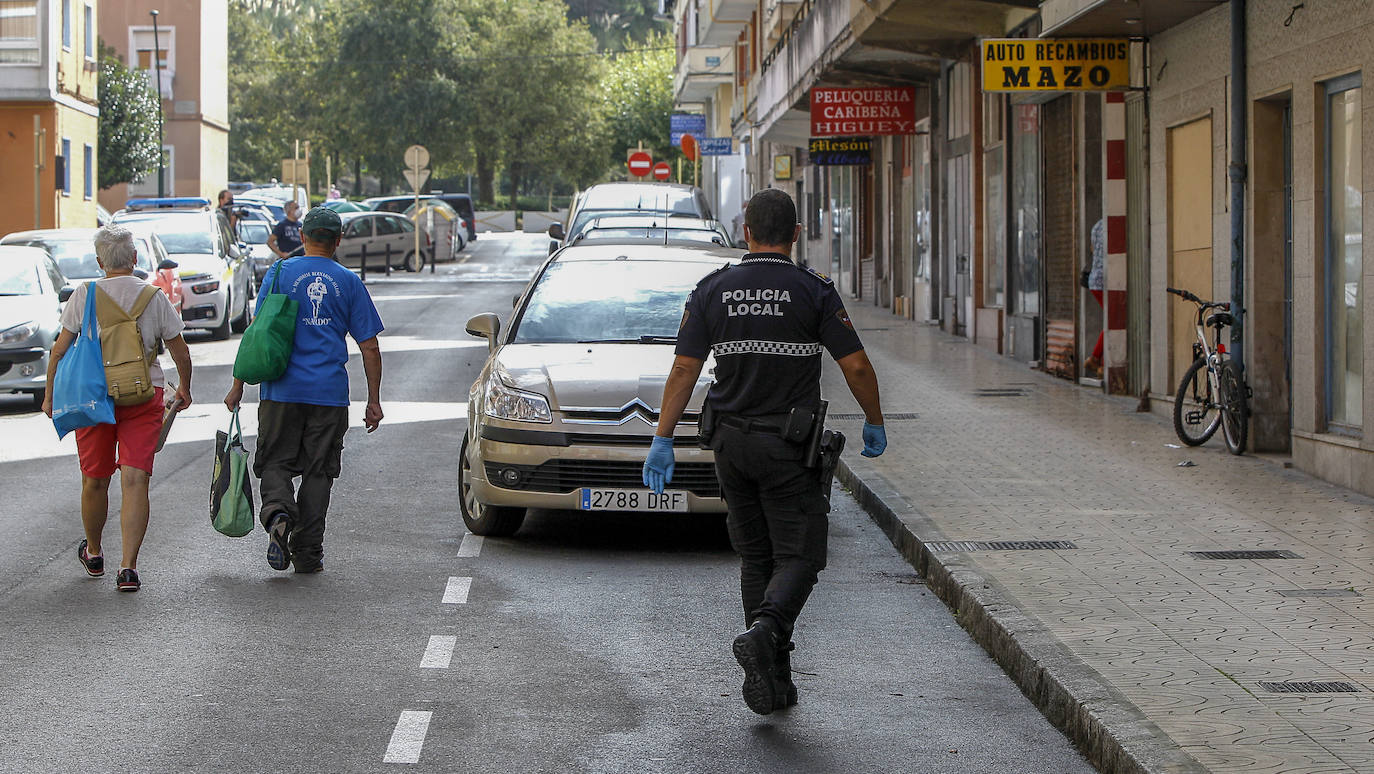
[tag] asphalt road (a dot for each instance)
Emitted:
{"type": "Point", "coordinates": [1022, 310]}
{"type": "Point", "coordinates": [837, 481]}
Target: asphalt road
{"type": "Point", "coordinates": [586, 643]}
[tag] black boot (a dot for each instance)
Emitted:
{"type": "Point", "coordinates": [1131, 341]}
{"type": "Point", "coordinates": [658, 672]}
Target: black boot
{"type": "Point", "coordinates": [756, 651]}
{"type": "Point", "coordinates": [784, 691]}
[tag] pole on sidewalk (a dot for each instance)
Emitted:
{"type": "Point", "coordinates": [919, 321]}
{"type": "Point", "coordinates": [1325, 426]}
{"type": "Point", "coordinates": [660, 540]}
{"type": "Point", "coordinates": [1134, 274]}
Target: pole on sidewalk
{"type": "Point", "coordinates": [1238, 174]}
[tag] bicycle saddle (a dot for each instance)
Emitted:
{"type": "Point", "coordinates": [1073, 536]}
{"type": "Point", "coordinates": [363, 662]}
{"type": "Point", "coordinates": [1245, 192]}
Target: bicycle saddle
{"type": "Point", "coordinates": [1220, 320]}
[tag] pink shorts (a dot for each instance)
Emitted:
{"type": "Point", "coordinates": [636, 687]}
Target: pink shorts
{"type": "Point", "coordinates": [133, 436]}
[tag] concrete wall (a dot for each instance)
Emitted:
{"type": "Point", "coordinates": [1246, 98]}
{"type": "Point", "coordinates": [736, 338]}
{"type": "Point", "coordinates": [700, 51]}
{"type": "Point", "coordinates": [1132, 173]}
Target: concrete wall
{"type": "Point", "coordinates": [1190, 65]}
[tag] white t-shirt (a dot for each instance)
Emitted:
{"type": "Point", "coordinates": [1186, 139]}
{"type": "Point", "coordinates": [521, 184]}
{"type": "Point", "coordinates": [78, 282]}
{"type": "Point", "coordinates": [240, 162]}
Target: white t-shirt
{"type": "Point", "coordinates": [158, 321]}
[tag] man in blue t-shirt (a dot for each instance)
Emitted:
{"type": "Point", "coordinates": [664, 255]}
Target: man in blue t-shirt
{"type": "Point", "coordinates": [302, 416]}
{"type": "Point", "coordinates": [286, 235]}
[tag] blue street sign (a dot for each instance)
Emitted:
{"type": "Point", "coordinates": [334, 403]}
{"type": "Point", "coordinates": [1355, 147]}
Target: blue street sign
{"type": "Point", "coordinates": [685, 123]}
{"type": "Point", "coordinates": [716, 146]}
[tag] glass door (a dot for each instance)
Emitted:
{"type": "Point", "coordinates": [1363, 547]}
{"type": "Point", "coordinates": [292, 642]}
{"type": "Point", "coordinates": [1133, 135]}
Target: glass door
{"type": "Point", "coordinates": [1344, 259]}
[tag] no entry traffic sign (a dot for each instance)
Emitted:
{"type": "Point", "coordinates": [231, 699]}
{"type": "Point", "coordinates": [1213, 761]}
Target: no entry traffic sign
{"type": "Point", "coordinates": [640, 163]}
{"type": "Point", "coordinates": [662, 171]}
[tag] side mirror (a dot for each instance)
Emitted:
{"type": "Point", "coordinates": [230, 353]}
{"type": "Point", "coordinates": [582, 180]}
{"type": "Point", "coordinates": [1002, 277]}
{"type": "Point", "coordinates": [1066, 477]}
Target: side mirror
{"type": "Point", "coordinates": [556, 231]}
{"type": "Point", "coordinates": [65, 293]}
{"type": "Point", "coordinates": [486, 326]}
{"type": "Point", "coordinates": [167, 264]}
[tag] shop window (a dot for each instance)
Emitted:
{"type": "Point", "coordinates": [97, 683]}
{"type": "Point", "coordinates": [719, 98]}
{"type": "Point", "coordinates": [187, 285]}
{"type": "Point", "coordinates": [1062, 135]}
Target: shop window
{"type": "Point", "coordinates": [1025, 209]}
{"type": "Point", "coordinates": [18, 31]}
{"type": "Point", "coordinates": [1344, 263]}
{"type": "Point", "coordinates": [994, 203]}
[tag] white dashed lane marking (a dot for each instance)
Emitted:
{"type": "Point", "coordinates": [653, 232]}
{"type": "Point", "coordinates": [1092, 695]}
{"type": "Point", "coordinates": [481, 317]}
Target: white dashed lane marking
{"type": "Point", "coordinates": [456, 593]}
{"type": "Point", "coordinates": [470, 547]}
{"type": "Point", "coordinates": [408, 738]}
{"type": "Point", "coordinates": [439, 652]}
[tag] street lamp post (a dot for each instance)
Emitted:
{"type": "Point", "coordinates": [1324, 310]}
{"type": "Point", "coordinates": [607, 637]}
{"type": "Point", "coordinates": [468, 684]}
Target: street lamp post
{"type": "Point", "coordinates": [157, 71]}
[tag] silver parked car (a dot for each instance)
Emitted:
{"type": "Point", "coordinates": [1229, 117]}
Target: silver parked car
{"type": "Point", "coordinates": [373, 232]}
{"type": "Point", "coordinates": [31, 297]}
{"type": "Point", "coordinates": [563, 412]}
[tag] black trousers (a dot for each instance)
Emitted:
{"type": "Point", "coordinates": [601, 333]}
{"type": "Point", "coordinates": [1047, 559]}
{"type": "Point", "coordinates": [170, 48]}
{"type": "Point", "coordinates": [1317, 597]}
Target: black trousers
{"type": "Point", "coordinates": [777, 522]}
{"type": "Point", "coordinates": [306, 441]}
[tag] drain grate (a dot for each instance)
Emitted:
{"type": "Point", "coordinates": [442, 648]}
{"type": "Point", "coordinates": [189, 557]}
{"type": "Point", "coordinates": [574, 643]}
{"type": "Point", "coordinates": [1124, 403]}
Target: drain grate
{"type": "Point", "coordinates": [896, 417]}
{"type": "Point", "coordinates": [1338, 686]}
{"type": "Point", "coordinates": [999, 545]}
{"type": "Point", "coordinates": [1318, 593]}
{"type": "Point", "coordinates": [1243, 555]}
{"type": "Point", "coordinates": [1001, 392]}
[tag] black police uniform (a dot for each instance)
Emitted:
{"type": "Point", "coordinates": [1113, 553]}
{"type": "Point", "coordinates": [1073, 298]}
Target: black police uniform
{"type": "Point", "coordinates": [767, 320]}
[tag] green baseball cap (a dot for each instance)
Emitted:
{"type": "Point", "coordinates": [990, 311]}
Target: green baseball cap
{"type": "Point", "coordinates": [321, 223]}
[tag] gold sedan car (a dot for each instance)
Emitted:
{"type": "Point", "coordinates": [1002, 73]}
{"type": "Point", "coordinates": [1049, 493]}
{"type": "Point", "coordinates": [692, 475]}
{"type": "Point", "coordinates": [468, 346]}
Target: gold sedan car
{"type": "Point", "coordinates": [565, 407]}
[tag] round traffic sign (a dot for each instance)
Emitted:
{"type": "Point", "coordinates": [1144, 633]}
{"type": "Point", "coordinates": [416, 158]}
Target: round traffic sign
{"type": "Point", "coordinates": [640, 163]}
{"type": "Point", "coordinates": [417, 157]}
{"type": "Point", "coordinates": [689, 147]}
{"type": "Point", "coordinates": [662, 171]}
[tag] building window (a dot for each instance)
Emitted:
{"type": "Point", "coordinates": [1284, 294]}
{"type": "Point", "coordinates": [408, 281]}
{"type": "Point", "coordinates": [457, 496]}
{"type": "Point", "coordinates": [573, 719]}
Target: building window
{"type": "Point", "coordinates": [88, 169]}
{"type": "Point", "coordinates": [66, 167]}
{"type": "Point", "coordinates": [18, 31]}
{"type": "Point", "coordinates": [1344, 263]}
{"type": "Point", "coordinates": [141, 43]}
{"type": "Point", "coordinates": [88, 30]}
{"type": "Point", "coordinates": [67, 24]}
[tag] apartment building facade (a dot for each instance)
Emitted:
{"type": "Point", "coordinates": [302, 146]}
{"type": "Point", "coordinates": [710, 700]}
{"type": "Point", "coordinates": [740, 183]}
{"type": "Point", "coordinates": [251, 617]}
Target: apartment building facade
{"type": "Point", "coordinates": [48, 113]}
{"type": "Point", "coordinates": [985, 215]}
{"type": "Point", "coordinates": [192, 37]}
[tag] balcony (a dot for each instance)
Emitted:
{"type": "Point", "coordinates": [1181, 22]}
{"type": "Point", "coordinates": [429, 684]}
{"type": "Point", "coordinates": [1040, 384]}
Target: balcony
{"type": "Point", "coordinates": [719, 22]}
{"type": "Point", "coordinates": [701, 71]}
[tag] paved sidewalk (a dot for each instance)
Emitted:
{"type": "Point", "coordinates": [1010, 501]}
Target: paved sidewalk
{"type": "Point", "coordinates": [1150, 658]}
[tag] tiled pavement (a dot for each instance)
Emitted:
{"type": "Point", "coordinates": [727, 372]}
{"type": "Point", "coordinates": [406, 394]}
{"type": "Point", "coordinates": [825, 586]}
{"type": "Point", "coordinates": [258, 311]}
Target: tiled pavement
{"type": "Point", "coordinates": [1150, 658]}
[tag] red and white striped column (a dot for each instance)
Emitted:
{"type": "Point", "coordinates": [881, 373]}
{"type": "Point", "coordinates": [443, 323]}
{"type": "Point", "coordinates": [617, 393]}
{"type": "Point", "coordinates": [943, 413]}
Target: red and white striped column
{"type": "Point", "coordinates": [1114, 205]}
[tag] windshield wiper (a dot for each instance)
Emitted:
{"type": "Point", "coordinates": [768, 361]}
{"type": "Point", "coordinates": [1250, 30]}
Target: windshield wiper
{"type": "Point", "coordinates": [646, 339]}
{"type": "Point", "coordinates": [650, 339]}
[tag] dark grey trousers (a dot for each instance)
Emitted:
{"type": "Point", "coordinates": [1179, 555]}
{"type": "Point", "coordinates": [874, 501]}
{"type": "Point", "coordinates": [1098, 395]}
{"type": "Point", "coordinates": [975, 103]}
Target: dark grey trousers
{"type": "Point", "coordinates": [299, 440]}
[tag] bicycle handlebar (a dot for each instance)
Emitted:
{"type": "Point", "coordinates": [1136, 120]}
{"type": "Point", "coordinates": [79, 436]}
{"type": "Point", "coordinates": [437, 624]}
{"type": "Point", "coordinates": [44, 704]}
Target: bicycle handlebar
{"type": "Point", "coordinates": [1186, 296]}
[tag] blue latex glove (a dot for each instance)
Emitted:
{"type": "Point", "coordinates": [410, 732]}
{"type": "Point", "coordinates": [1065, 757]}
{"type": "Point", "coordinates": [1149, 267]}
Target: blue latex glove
{"type": "Point", "coordinates": [658, 468]}
{"type": "Point", "coordinates": [875, 440]}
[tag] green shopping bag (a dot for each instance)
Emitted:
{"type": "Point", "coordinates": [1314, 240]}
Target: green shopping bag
{"type": "Point", "coordinates": [231, 489]}
{"type": "Point", "coordinates": [265, 348]}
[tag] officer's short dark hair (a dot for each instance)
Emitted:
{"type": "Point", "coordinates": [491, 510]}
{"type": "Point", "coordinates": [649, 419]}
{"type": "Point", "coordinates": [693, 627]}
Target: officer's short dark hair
{"type": "Point", "coordinates": [771, 217]}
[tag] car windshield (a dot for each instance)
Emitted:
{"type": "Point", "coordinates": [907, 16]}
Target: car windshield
{"type": "Point", "coordinates": [75, 258]}
{"type": "Point", "coordinates": [641, 197]}
{"type": "Point", "coordinates": [657, 235]}
{"type": "Point", "coordinates": [615, 300]}
{"type": "Point", "coordinates": [18, 278]}
{"type": "Point", "coordinates": [183, 233]}
{"type": "Point", "coordinates": [254, 232]}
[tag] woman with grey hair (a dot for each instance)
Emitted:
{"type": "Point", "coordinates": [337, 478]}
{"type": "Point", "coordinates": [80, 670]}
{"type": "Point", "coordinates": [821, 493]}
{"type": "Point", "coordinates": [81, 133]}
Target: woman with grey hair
{"type": "Point", "coordinates": [130, 443]}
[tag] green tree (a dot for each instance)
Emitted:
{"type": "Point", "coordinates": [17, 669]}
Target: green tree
{"type": "Point", "coordinates": [637, 98]}
{"type": "Point", "coordinates": [620, 24]}
{"type": "Point", "coordinates": [129, 108]}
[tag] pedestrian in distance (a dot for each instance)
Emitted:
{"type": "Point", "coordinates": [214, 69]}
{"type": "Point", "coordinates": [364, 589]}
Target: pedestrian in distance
{"type": "Point", "coordinates": [226, 208]}
{"type": "Point", "coordinates": [767, 321]}
{"type": "Point", "coordinates": [303, 415]}
{"type": "Point", "coordinates": [286, 235]}
{"type": "Point", "coordinates": [131, 442]}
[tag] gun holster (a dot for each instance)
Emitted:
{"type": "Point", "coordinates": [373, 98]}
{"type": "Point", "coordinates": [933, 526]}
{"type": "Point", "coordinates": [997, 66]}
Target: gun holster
{"type": "Point", "coordinates": [832, 443]}
{"type": "Point", "coordinates": [706, 424]}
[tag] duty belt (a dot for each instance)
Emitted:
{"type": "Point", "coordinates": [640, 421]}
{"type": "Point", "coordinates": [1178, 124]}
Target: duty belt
{"type": "Point", "coordinates": [770, 424]}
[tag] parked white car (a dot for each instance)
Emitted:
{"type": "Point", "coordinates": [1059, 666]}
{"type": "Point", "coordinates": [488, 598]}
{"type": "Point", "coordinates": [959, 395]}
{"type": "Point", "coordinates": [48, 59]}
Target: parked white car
{"type": "Point", "coordinates": [564, 410]}
{"type": "Point", "coordinates": [216, 277]}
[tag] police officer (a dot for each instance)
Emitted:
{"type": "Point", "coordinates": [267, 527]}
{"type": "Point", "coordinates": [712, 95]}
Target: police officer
{"type": "Point", "coordinates": [767, 321]}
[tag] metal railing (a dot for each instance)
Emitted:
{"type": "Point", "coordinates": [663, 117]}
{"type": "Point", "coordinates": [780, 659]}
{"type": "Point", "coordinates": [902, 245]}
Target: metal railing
{"type": "Point", "coordinates": [803, 11]}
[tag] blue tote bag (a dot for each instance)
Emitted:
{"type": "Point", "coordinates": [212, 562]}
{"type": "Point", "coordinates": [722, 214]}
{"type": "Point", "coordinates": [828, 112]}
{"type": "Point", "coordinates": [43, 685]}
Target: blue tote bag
{"type": "Point", "coordinates": [80, 397]}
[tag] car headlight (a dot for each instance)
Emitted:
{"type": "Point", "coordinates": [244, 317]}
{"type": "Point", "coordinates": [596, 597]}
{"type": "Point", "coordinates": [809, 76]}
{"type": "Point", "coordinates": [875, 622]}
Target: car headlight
{"type": "Point", "coordinates": [19, 333]}
{"type": "Point", "coordinates": [205, 287]}
{"type": "Point", "coordinates": [504, 402]}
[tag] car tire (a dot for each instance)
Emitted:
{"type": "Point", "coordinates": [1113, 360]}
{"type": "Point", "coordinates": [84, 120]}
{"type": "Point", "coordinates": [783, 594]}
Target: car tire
{"type": "Point", "coordinates": [414, 261]}
{"type": "Point", "coordinates": [241, 323]}
{"type": "Point", "coordinates": [490, 520]}
{"type": "Point", "coordinates": [221, 332]}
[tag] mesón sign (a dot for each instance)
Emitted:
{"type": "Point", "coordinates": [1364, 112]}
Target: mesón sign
{"type": "Point", "coordinates": [840, 151]}
{"type": "Point", "coordinates": [870, 112]}
{"type": "Point", "coordinates": [1080, 64]}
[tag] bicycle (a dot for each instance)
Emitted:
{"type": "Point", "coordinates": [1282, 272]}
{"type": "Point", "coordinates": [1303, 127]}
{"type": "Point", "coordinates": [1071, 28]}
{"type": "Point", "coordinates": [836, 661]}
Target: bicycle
{"type": "Point", "coordinates": [1212, 392]}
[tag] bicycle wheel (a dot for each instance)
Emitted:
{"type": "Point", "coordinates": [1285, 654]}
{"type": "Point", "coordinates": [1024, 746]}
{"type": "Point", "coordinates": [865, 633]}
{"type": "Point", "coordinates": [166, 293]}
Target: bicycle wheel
{"type": "Point", "coordinates": [1196, 413]}
{"type": "Point", "coordinates": [1235, 410]}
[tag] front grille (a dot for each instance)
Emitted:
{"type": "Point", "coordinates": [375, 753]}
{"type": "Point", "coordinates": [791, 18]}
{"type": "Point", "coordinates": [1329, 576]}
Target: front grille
{"type": "Point", "coordinates": [561, 476]}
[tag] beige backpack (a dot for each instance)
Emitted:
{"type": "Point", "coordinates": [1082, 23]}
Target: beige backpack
{"type": "Point", "coordinates": [127, 366]}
